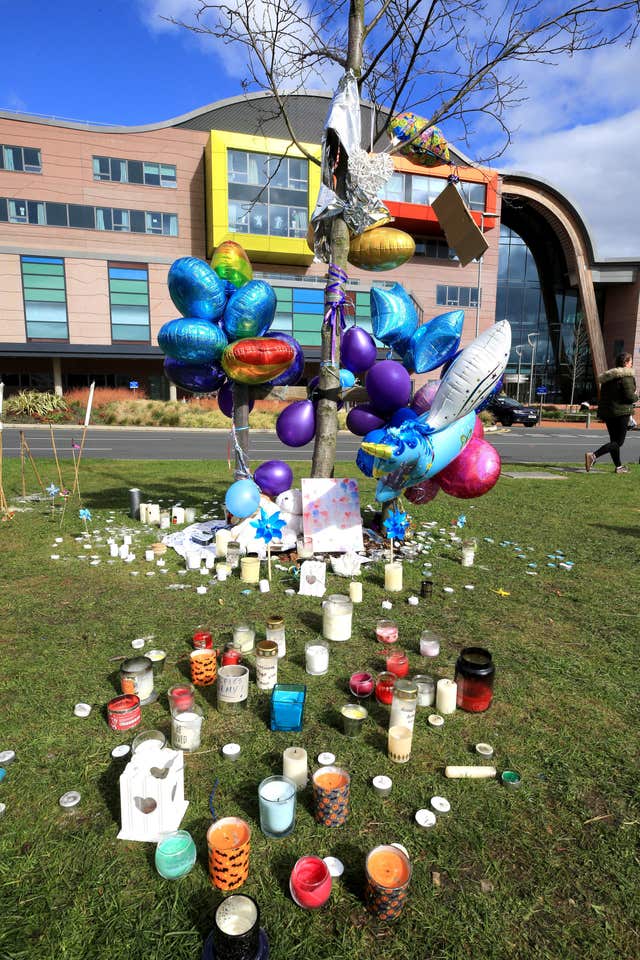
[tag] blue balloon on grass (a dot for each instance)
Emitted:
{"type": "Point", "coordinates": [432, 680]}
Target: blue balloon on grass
{"type": "Point", "coordinates": [192, 340]}
{"type": "Point", "coordinates": [242, 498]}
{"type": "Point", "coordinates": [196, 289]}
{"type": "Point", "coordinates": [435, 342]}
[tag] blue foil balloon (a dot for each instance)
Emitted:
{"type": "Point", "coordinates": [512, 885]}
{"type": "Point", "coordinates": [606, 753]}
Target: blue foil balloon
{"type": "Point", "coordinates": [347, 379]}
{"type": "Point", "coordinates": [196, 378]}
{"type": "Point", "coordinates": [393, 317]}
{"type": "Point", "coordinates": [365, 461]}
{"type": "Point", "coordinates": [192, 340]}
{"type": "Point", "coordinates": [401, 416]}
{"type": "Point", "coordinates": [196, 289]}
{"type": "Point", "coordinates": [250, 310]}
{"type": "Point", "coordinates": [435, 342]}
{"type": "Point", "coordinates": [242, 498]}
{"type": "Point", "coordinates": [294, 373]}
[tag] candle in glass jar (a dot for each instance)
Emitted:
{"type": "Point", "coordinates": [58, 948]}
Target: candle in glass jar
{"type": "Point", "coordinates": [446, 694]}
{"type": "Point", "coordinates": [468, 553]}
{"type": "Point", "coordinates": [294, 766]}
{"type": "Point", "coordinates": [222, 571]}
{"type": "Point", "coordinates": [393, 576]}
{"type": "Point", "coordinates": [429, 644]}
{"type": "Point", "coordinates": [202, 640]}
{"type": "Point", "coordinates": [426, 690]}
{"type": "Point", "coordinates": [337, 613]}
{"type": "Point", "coordinates": [181, 696]}
{"type": "Point", "coordinates": [355, 591]}
{"type": "Point", "coordinates": [384, 687]}
{"type": "Point", "coordinates": [399, 744]}
{"type": "Point", "coordinates": [398, 663]}
{"type": "Point", "coordinates": [222, 539]}
{"type": "Point", "coordinates": [185, 729]}
{"type": "Point", "coordinates": [353, 718]}
{"type": "Point", "coordinates": [387, 631]}
{"type": "Point", "coordinates": [316, 655]}
{"type": "Point", "coordinates": [361, 685]}
{"type": "Point", "coordinates": [310, 882]}
{"type": "Point", "coordinates": [236, 931]}
{"type": "Point", "coordinates": [250, 569]}
{"type": "Point", "coordinates": [243, 637]}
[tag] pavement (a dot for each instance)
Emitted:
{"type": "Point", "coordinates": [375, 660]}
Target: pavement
{"type": "Point", "coordinates": [537, 445]}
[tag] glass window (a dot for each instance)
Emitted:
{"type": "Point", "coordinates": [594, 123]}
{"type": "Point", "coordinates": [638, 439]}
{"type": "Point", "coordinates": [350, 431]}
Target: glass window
{"type": "Point", "coordinates": [118, 170]}
{"type": "Point", "coordinates": [129, 301]}
{"type": "Point", "coordinates": [238, 217]}
{"type": "Point", "coordinates": [167, 174]}
{"type": "Point", "coordinates": [278, 221]}
{"type": "Point", "coordinates": [36, 212]}
{"type": "Point", "coordinates": [120, 220]}
{"type": "Point", "coordinates": [4, 210]}
{"type": "Point", "coordinates": [441, 295]}
{"type": "Point", "coordinates": [18, 211]}
{"type": "Point", "coordinates": [45, 299]}
{"type": "Point", "coordinates": [258, 219]}
{"type": "Point", "coordinates": [104, 220]}
{"type": "Point", "coordinates": [101, 168]}
{"type": "Point", "coordinates": [237, 166]}
{"type": "Point", "coordinates": [32, 161]}
{"type": "Point", "coordinates": [135, 171]}
{"type": "Point", "coordinates": [13, 158]}
{"type": "Point", "coordinates": [436, 186]}
{"type": "Point", "coordinates": [419, 189]}
{"type": "Point", "coordinates": [137, 221]}
{"type": "Point", "coordinates": [56, 214]}
{"type": "Point", "coordinates": [267, 194]}
{"type": "Point", "coordinates": [152, 174]}
{"type": "Point", "coordinates": [394, 189]}
{"type": "Point", "coordinates": [81, 216]}
{"type": "Point", "coordinates": [476, 195]}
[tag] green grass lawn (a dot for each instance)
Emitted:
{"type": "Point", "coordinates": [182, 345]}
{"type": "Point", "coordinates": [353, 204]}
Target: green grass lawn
{"type": "Point", "coordinates": [547, 871]}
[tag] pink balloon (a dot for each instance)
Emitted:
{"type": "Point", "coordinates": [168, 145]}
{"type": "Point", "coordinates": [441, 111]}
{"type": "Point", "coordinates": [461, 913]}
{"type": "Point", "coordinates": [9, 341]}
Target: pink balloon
{"type": "Point", "coordinates": [424, 398]}
{"type": "Point", "coordinates": [478, 430]}
{"type": "Point", "coordinates": [473, 472]}
{"type": "Point", "coordinates": [422, 492]}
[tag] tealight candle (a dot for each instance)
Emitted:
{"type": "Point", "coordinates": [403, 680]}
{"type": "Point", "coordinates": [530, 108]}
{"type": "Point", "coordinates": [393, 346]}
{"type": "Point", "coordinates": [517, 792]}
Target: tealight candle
{"type": "Point", "coordinates": [149, 556]}
{"type": "Point", "coordinates": [393, 576]}
{"type": "Point", "coordinates": [294, 766]}
{"type": "Point", "coordinates": [316, 657]}
{"type": "Point", "coordinates": [382, 785]}
{"type": "Point", "coordinates": [446, 694]}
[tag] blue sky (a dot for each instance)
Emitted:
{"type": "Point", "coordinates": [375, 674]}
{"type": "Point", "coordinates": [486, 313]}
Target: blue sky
{"type": "Point", "coordinates": [115, 61]}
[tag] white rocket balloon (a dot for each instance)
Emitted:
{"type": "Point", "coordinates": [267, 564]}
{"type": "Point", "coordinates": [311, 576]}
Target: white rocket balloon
{"type": "Point", "coordinates": [471, 377]}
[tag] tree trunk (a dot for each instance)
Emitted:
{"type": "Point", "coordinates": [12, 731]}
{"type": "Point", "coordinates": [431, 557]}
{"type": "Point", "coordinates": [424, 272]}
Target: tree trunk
{"type": "Point", "coordinates": [241, 424]}
{"type": "Point", "coordinates": [324, 449]}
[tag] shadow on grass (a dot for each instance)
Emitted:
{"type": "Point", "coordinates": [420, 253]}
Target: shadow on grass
{"type": "Point", "coordinates": [625, 530]}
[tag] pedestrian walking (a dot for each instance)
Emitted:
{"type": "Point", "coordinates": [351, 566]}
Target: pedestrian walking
{"type": "Point", "coordinates": [617, 397]}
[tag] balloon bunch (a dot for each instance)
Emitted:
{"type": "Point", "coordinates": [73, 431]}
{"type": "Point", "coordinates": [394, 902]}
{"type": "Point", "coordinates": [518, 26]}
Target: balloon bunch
{"type": "Point", "coordinates": [429, 148]}
{"type": "Point", "coordinates": [436, 442]}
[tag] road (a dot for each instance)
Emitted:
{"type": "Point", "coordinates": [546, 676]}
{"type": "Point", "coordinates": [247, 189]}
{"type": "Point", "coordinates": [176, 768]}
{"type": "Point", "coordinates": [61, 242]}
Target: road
{"type": "Point", "coordinates": [515, 444]}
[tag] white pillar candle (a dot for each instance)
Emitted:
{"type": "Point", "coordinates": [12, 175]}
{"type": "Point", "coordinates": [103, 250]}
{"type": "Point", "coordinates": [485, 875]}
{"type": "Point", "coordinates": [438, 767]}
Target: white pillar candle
{"type": "Point", "coordinates": [393, 577]}
{"type": "Point", "coordinates": [468, 554]}
{"type": "Point", "coordinates": [123, 551]}
{"type": "Point", "coordinates": [189, 515]}
{"type": "Point", "coordinates": [294, 766]}
{"type": "Point", "coordinates": [165, 520]}
{"type": "Point", "coordinates": [399, 744]}
{"type": "Point", "coordinates": [222, 539]}
{"type": "Point", "coordinates": [355, 591]}
{"type": "Point", "coordinates": [264, 586]}
{"type": "Point", "coordinates": [149, 555]}
{"type": "Point", "coordinates": [128, 539]}
{"type": "Point", "coordinates": [113, 549]}
{"type": "Point", "coordinates": [177, 516]}
{"type": "Point", "coordinates": [192, 559]}
{"type": "Point", "coordinates": [446, 693]}
{"type": "Point", "coordinates": [153, 513]}
{"type": "Point", "coordinates": [144, 508]}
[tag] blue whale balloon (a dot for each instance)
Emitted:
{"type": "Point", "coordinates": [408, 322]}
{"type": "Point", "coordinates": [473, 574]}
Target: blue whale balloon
{"type": "Point", "coordinates": [471, 377]}
{"type": "Point", "coordinates": [408, 454]}
{"type": "Point", "coordinates": [192, 340]}
{"type": "Point", "coordinates": [250, 310]}
{"type": "Point", "coordinates": [435, 342]}
{"type": "Point", "coordinates": [393, 317]}
{"type": "Point", "coordinates": [196, 289]}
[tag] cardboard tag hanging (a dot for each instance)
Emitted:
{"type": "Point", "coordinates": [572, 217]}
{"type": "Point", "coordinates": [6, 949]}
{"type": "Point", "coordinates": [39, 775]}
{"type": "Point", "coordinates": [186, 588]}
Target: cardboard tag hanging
{"type": "Point", "coordinates": [460, 229]}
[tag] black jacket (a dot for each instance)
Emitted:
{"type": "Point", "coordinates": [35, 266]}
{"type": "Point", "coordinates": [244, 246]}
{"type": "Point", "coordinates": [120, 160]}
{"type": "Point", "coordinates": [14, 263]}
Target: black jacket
{"type": "Point", "coordinates": [617, 393]}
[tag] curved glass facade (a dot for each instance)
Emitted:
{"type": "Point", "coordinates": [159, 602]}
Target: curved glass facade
{"type": "Point", "coordinates": [551, 351]}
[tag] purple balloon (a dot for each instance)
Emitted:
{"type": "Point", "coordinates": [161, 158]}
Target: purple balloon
{"type": "Point", "coordinates": [225, 399]}
{"type": "Point", "coordinates": [473, 472]}
{"type": "Point", "coordinates": [362, 419]}
{"type": "Point", "coordinates": [296, 425]}
{"type": "Point", "coordinates": [292, 374]}
{"type": "Point", "coordinates": [274, 477]}
{"type": "Point", "coordinates": [358, 350]}
{"type": "Point", "coordinates": [424, 398]}
{"type": "Point", "coordinates": [388, 385]}
{"type": "Point", "coordinates": [194, 377]}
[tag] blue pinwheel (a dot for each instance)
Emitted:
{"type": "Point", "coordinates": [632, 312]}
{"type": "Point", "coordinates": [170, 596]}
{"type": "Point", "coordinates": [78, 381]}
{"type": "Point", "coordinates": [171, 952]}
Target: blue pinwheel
{"type": "Point", "coordinates": [396, 525]}
{"type": "Point", "coordinates": [268, 527]}
{"type": "Point", "coordinates": [52, 490]}
{"type": "Point", "coordinates": [461, 521]}
{"type": "Point", "coordinates": [85, 514]}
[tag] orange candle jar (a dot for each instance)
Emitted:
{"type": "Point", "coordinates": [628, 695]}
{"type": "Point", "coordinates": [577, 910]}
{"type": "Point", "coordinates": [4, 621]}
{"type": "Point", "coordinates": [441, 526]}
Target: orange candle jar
{"type": "Point", "coordinates": [331, 796]}
{"type": "Point", "coordinates": [204, 668]}
{"type": "Point", "coordinates": [228, 842]}
{"type": "Point", "coordinates": [388, 873]}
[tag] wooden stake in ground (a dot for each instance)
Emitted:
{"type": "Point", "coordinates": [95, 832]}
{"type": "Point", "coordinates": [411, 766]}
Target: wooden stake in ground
{"type": "Point", "coordinates": [24, 488]}
{"type": "Point", "coordinates": [24, 447]}
{"type": "Point", "coordinates": [76, 484]}
{"type": "Point", "coordinates": [55, 454]}
{"type": "Point", "coordinates": [3, 500]}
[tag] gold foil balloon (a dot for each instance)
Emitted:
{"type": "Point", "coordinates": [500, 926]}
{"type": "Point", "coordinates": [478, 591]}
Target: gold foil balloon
{"type": "Point", "coordinates": [231, 263]}
{"type": "Point", "coordinates": [381, 249]}
{"type": "Point", "coordinates": [257, 359]}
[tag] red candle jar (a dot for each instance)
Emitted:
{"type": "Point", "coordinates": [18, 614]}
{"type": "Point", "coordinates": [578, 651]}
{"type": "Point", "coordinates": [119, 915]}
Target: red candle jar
{"type": "Point", "coordinates": [182, 696]}
{"type": "Point", "coordinates": [310, 883]}
{"type": "Point", "coordinates": [384, 687]}
{"type": "Point", "coordinates": [361, 685]}
{"type": "Point", "coordinates": [398, 663]}
{"type": "Point", "coordinates": [202, 640]}
{"type": "Point", "coordinates": [230, 657]}
{"type": "Point", "coordinates": [387, 631]}
{"type": "Point", "coordinates": [474, 676]}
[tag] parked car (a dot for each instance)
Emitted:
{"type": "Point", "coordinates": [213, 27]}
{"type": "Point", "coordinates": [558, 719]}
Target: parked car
{"type": "Point", "coordinates": [508, 411]}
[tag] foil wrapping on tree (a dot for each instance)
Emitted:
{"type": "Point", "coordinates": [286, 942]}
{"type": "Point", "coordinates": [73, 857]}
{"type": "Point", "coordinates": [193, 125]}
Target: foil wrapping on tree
{"type": "Point", "coordinates": [342, 136]}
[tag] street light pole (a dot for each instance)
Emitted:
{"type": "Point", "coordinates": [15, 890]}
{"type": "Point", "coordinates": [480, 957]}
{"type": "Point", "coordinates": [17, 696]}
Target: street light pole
{"type": "Point", "coordinates": [533, 361]}
{"type": "Point", "coordinates": [519, 348]}
{"type": "Point", "coordinates": [483, 217]}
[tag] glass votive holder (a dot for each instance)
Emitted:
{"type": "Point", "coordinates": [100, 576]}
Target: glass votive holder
{"type": "Point", "coordinates": [186, 726]}
{"type": "Point", "coordinates": [222, 571]}
{"type": "Point", "coordinates": [229, 845]}
{"type": "Point", "coordinates": [398, 663]}
{"type": "Point", "coordinates": [426, 690]}
{"type": "Point", "coordinates": [384, 687]}
{"type": "Point", "coordinates": [182, 696]}
{"type": "Point", "coordinates": [426, 589]}
{"type": "Point", "coordinates": [337, 614]}
{"type": "Point", "coordinates": [158, 659]}
{"type": "Point", "coordinates": [233, 554]}
{"type": "Point", "coordinates": [244, 637]}
{"type": "Point", "coordinates": [277, 805]}
{"type": "Point", "coordinates": [387, 631]}
{"type": "Point", "coordinates": [147, 741]}
{"type": "Point", "coordinates": [310, 883]}
{"type": "Point", "coordinates": [236, 928]}
{"type": "Point", "coordinates": [429, 644]}
{"type": "Point", "coordinates": [175, 855]}
{"type": "Point", "coordinates": [202, 640]}
{"type": "Point", "coordinates": [287, 706]}
{"type": "Point", "coordinates": [353, 719]}
{"type": "Point", "coordinates": [361, 685]}
{"type": "Point", "coordinates": [250, 569]}
{"type": "Point", "coordinates": [316, 657]}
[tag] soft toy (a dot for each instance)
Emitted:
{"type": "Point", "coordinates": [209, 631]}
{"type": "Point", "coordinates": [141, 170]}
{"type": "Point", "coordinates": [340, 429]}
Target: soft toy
{"type": "Point", "coordinates": [290, 504]}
